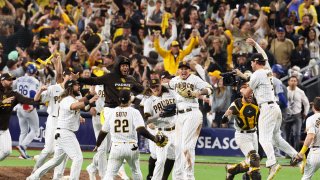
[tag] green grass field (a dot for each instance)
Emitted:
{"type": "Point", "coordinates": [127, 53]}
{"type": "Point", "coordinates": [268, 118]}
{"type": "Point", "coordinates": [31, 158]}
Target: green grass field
{"type": "Point", "coordinates": [207, 167]}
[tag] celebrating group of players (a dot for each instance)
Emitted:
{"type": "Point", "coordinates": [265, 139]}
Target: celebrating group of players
{"type": "Point", "coordinates": [171, 112]}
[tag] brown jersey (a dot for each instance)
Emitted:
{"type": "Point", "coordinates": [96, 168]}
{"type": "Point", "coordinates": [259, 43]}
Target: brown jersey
{"type": "Point", "coordinates": [113, 83]}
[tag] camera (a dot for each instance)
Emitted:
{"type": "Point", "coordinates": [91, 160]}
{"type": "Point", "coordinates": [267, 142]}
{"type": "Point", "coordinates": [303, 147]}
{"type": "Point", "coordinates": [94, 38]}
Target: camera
{"type": "Point", "coordinates": [230, 78]}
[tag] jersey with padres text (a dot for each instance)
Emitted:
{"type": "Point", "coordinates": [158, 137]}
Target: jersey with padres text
{"type": "Point", "coordinates": [122, 123]}
{"type": "Point", "coordinates": [154, 106]}
{"type": "Point", "coordinates": [261, 82]}
{"type": "Point", "coordinates": [312, 126]}
{"type": "Point", "coordinates": [246, 114]}
{"type": "Point", "coordinates": [194, 83]}
{"type": "Point", "coordinates": [52, 96]}
{"type": "Point", "coordinates": [68, 119]}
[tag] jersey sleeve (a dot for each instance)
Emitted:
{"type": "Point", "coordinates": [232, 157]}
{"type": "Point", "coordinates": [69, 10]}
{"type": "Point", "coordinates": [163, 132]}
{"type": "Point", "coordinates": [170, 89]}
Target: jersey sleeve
{"type": "Point", "coordinates": [147, 108]}
{"type": "Point", "coordinates": [106, 124]}
{"type": "Point", "coordinates": [172, 83]}
{"type": "Point", "coordinates": [310, 126]}
{"type": "Point", "coordinates": [201, 84]}
{"type": "Point", "coordinates": [253, 83]}
{"type": "Point", "coordinates": [138, 120]}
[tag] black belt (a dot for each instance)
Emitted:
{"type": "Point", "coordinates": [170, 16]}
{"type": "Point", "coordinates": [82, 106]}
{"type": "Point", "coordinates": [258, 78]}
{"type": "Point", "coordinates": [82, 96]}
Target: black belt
{"type": "Point", "coordinates": [58, 128]}
{"type": "Point", "coordinates": [269, 102]}
{"type": "Point", "coordinates": [247, 131]}
{"type": "Point", "coordinates": [167, 129]}
{"type": "Point", "coordinates": [315, 146]}
{"type": "Point", "coordinates": [54, 116]}
{"type": "Point", "coordinates": [184, 110]}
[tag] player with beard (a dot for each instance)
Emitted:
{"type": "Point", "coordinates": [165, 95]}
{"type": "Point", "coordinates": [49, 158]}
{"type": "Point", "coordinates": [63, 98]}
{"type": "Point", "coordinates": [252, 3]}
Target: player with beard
{"type": "Point", "coordinates": [119, 79]}
{"type": "Point", "coordinates": [8, 100]}
{"type": "Point", "coordinates": [246, 112]}
{"type": "Point", "coordinates": [68, 123]}
{"type": "Point", "coordinates": [114, 82]}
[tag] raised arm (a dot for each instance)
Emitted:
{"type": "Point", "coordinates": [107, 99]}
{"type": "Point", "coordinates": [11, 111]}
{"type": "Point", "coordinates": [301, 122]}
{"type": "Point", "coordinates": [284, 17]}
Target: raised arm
{"type": "Point", "coordinates": [253, 43]}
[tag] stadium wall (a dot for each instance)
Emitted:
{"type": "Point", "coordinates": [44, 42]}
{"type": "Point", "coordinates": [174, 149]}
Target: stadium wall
{"type": "Point", "coordinates": [213, 142]}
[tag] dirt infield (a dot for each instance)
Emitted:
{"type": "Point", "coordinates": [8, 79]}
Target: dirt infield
{"type": "Point", "coordinates": [21, 173]}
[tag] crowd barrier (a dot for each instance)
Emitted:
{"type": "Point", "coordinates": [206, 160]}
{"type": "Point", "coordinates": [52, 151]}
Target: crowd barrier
{"type": "Point", "coordinates": [213, 142]}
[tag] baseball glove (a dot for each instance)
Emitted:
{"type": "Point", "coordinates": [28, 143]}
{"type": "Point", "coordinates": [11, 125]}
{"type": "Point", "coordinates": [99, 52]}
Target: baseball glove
{"type": "Point", "coordinates": [161, 140]}
{"type": "Point", "coordinates": [168, 111]}
{"type": "Point", "coordinates": [295, 160]}
{"type": "Point", "coordinates": [186, 92]}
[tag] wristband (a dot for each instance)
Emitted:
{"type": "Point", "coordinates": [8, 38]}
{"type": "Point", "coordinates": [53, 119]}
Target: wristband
{"type": "Point", "coordinates": [86, 103]}
{"type": "Point", "coordinates": [89, 96]}
{"type": "Point", "coordinates": [303, 149]}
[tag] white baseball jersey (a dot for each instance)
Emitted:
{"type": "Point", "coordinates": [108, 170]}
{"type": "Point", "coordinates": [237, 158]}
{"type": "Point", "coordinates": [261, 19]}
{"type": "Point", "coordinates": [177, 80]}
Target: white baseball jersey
{"type": "Point", "coordinates": [99, 89]}
{"type": "Point", "coordinates": [52, 95]}
{"type": "Point", "coordinates": [68, 119]}
{"type": "Point", "coordinates": [312, 126]}
{"type": "Point", "coordinates": [154, 106]}
{"type": "Point", "coordinates": [194, 82]}
{"type": "Point", "coordinates": [122, 124]}
{"type": "Point", "coordinates": [261, 82]}
{"type": "Point", "coordinates": [27, 86]}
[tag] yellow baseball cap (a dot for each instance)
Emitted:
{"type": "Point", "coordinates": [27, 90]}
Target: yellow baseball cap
{"type": "Point", "coordinates": [216, 74]}
{"type": "Point", "coordinates": [175, 43]}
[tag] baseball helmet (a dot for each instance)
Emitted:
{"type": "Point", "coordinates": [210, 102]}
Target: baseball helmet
{"type": "Point", "coordinates": [124, 96]}
{"type": "Point", "coordinates": [31, 69]}
{"type": "Point", "coordinates": [277, 68]}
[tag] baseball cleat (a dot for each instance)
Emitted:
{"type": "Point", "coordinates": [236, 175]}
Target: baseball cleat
{"type": "Point", "coordinates": [229, 176]}
{"type": "Point", "coordinates": [273, 171]}
{"type": "Point", "coordinates": [23, 152]}
{"type": "Point", "coordinates": [302, 164]}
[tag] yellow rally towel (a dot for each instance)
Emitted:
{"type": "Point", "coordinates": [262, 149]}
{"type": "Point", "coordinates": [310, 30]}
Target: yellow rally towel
{"type": "Point", "coordinates": [2, 3]}
{"type": "Point", "coordinates": [118, 32]}
{"type": "Point", "coordinates": [165, 22]}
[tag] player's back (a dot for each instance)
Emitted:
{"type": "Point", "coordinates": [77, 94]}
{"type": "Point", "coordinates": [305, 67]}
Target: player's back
{"type": "Point", "coordinates": [123, 123]}
{"type": "Point", "coordinates": [27, 86]}
{"type": "Point", "coordinates": [52, 96]}
{"type": "Point", "coordinates": [261, 82]}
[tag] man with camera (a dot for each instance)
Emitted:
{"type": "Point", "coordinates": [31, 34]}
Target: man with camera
{"type": "Point", "coordinates": [270, 119]}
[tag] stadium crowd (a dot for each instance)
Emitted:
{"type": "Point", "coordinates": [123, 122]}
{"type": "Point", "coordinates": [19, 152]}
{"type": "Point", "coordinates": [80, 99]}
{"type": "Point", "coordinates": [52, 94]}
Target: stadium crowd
{"type": "Point", "coordinates": [155, 35]}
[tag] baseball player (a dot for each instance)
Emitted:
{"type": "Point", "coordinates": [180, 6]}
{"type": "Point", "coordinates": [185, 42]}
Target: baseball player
{"type": "Point", "coordinates": [99, 161]}
{"type": "Point", "coordinates": [270, 119]}
{"type": "Point", "coordinates": [27, 85]}
{"type": "Point", "coordinates": [189, 120]}
{"type": "Point", "coordinates": [114, 82]}
{"type": "Point", "coordinates": [51, 95]}
{"type": "Point", "coordinates": [122, 124]}
{"type": "Point", "coordinates": [8, 100]}
{"type": "Point", "coordinates": [246, 114]}
{"type": "Point", "coordinates": [312, 141]}
{"type": "Point", "coordinates": [68, 123]}
{"type": "Point", "coordinates": [164, 122]}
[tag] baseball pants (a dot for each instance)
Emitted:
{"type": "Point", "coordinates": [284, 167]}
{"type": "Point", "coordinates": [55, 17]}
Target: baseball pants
{"type": "Point", "coordinates": [99, 161]}
{"type": "Point", "coordinates": [313, 163]}
{"type": "Point", "coordinates": [120, 152]}
{"type": "Point", "coordinates": [164, 153]}
{"type": "Point", "coordinates": [152, 145]}
{"type": "Point", "coordinates": [270, 120]}
{"type": "Point", "coordinates": [67, 145]}
{"type": "Point", "coordinates": [188, 127]}
{"type": "Point", "coordinates": [27, 120]}
{"type": "Point", "coordinates": [49, 145]}
{"type": "Point", "coordinates": [5, 144]}
{"type": "Point", "coordinates": [246, 142]}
